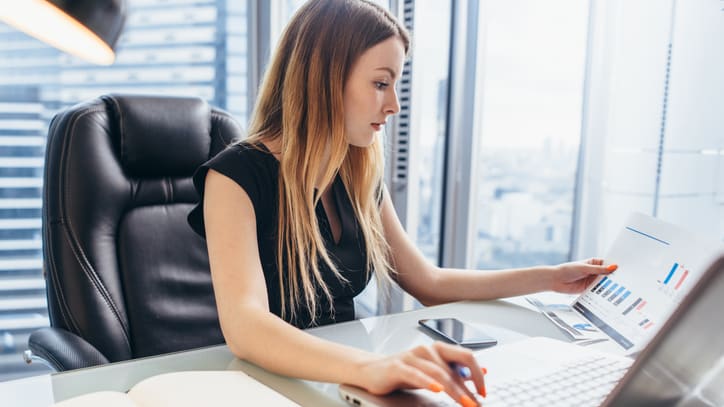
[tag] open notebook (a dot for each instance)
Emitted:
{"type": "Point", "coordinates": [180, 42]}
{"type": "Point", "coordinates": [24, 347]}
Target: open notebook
{"type": "Point", "coordinates": [187, 389]}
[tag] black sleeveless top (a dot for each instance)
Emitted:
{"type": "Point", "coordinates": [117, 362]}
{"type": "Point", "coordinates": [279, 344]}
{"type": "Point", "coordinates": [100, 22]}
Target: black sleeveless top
{"type": "Point", "coordinates": [256, 171]}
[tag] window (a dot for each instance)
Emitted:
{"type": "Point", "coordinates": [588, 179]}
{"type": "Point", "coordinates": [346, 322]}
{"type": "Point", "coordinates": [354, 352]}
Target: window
{"type": "Point", "coordinates": [169, 47]}
{"type": "Point", "coordinates": [654, 129]}
{"type": "Point", "coordinates": [428, 124]}
{"type": "Point", "coordinates": [415, 140]}
{"type": "Point", "coordinates": [531, 68]}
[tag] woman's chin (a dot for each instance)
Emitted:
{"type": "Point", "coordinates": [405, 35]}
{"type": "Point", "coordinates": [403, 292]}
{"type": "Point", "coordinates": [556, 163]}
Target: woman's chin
{"type": "Point", "coordinates": [363, 141]}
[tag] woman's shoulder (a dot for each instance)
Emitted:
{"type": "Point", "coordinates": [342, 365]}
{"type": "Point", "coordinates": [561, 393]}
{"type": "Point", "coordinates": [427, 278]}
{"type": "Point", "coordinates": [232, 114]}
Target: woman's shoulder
{"type": "Point", "coordinates": [243, 159]}
{"type": "Point", "coordinates": [250, 166]}
{"type": "Point", "coordinates": [243, 152]}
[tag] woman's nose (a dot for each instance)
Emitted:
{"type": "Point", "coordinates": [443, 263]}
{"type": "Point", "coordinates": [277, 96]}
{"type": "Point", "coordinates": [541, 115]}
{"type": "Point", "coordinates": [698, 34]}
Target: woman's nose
{"type": "Point", "coordinates": [392, 105]}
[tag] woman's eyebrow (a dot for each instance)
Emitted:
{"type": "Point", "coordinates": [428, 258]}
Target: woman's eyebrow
{"type": "Point", "coordinates": [389, 70]}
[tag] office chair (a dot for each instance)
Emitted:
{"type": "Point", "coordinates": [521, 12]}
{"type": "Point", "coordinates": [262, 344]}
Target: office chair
{"type": "Point", "coordinates": [126, 276]}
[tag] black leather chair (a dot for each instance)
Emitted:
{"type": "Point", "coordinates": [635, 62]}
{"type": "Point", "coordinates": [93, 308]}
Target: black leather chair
{"type": "Point", "coordinates": [126, 276]}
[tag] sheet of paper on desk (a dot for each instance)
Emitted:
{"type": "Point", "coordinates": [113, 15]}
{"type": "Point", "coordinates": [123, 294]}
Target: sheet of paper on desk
{"type": "Point", "coordinates": [567, 319]}
{"type": "Point", "coordinates": [187, 389]}
{"type": "Point", "coordinates": [657, 265]}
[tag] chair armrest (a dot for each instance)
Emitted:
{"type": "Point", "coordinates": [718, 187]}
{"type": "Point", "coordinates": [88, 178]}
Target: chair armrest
{"type": "Point", "coordinates": [63, 350]}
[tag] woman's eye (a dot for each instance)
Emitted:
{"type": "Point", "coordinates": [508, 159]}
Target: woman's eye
{"type": "Point", "coordinates": [381, 85]}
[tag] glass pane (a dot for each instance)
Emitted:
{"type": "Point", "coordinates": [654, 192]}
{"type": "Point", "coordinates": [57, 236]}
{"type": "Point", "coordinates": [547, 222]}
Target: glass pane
{"type": "Point", "coordinates": [660, 145]}
{"type": "Point", "coordinates": [431, 55]}
{"type": "Point", "coordinates": [167, 48]}
{"type": "Point", "coordinates": [281, 12]}
{"type": "Point", "coordinates": [533, 57]}
{"type": "Point", "coordinates": [692, 170]}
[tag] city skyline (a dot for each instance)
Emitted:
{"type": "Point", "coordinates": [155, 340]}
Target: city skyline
{"type": "Point", "coordinates": [191, 49]}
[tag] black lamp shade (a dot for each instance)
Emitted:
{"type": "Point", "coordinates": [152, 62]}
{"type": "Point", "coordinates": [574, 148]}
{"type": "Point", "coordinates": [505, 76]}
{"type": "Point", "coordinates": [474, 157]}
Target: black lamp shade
{"type": "Point", "coordinates": [88, 29]}
{"type": "Point", "coordinates": [104, 17]}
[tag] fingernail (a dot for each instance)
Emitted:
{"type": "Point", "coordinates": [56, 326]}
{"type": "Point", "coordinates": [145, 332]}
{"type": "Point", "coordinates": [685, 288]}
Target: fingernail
{"type": "Point", "coordinates": [481, 389]}
{"type": "Point", "coordinates": [467, 401]}
{"type": "Point", "coordinates": [612, 267]}
{"type": "Point", "coordinates": [435, 387]}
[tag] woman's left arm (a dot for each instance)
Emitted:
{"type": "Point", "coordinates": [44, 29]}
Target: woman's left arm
{"type": "Point", "coordinates": [434, 285]}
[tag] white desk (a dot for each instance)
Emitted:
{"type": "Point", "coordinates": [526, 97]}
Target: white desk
{"type": "Point", "coordinates": [388, 334]}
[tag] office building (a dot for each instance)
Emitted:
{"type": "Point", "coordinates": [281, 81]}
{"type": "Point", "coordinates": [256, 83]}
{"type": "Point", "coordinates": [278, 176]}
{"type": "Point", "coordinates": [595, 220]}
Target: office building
{"type": "Point", "coordinates": [169, 47]}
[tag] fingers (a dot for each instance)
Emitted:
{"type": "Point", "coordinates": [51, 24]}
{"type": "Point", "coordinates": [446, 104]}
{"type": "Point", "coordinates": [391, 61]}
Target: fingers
{"type": "Point", "coordinates": [600, 262]}
{"type": "Point", "coordinates": [596, 266]}
{"type": "Point", "coordinates": [576, 276]}
{"type": "Point", "coordinates": [587, 274]}
{"type": "Point", "coordinates": [417, 378]}
{"type": "Point", "coordinates": [595, 261]}
{"type": "Point", "coordinates": [589, 280]}
{"type": "Point", "coordinates": [600, 266]}
{"type": "Point", "coordinates": [597, 270]}
{"type": "Point", "coordinates": [436, 368]}
{"type": "Point", "coordinates": [463, 357]}
{"type": "Point", "coordinates": [435, 362]}
{"type": "Point", "coordinates": [396, 372]}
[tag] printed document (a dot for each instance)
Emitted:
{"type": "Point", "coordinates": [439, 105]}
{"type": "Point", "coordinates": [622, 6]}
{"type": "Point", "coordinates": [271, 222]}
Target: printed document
{"type": "Point", "coordinates": [657, 265]}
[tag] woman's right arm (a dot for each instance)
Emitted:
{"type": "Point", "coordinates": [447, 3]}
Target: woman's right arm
{"type": "Point", "coordinates": [254, 334]}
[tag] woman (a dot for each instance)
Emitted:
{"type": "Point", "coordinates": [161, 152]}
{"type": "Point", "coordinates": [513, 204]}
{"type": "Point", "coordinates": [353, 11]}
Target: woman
{"type": "Point", "coordinates": [297, 219]}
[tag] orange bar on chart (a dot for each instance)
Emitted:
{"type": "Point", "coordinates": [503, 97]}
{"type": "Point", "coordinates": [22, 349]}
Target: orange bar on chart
{"type": "Point", "coordinates": [681, 280]}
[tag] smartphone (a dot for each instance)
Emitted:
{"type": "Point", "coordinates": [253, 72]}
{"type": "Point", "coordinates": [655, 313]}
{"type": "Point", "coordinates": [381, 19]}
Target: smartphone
{"type": "Point", "coordinates": [457, 332]}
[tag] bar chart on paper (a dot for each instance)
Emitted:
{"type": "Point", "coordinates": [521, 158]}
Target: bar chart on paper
{"type": "Point", "coordinates": [671, 285]}
{"type": "Point", "coordinates": [657, 265]}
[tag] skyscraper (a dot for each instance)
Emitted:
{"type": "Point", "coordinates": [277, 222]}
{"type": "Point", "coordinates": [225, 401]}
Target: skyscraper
{"type": "Point", "coordinates": [169, 47]}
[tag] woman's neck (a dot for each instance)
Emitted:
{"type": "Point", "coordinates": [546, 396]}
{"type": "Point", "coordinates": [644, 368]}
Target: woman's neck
{"type": "Point", "coordinates": [275, 148]}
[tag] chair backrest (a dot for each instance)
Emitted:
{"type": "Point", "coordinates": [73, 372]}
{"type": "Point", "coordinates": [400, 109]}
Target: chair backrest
{"type": "Point", "coordinates": [123, 268]}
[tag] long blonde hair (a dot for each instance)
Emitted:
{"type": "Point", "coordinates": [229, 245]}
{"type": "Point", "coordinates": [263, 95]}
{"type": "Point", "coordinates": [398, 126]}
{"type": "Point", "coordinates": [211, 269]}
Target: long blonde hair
{"type": "Point", "coordinates": [300, 106]}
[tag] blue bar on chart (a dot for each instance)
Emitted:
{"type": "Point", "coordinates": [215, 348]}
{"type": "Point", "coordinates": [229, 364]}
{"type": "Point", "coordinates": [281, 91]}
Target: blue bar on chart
{"type": "Point", "coordinates": [599, 284]}
{"type": "Point", "coordinates": [610, 290]}
{"type": "Point", "coordinates": [616, 294]}
{"type": "Point", "coordinates": [671, 273]}
{"type": "Point", "coordinates": [603, 287]}
{"type": "Point", "coordinates": [630, 307]}
{"type": "Point", "coordinates": [622, 298]}
{"type": "Point", "coordinates": [642, 323]}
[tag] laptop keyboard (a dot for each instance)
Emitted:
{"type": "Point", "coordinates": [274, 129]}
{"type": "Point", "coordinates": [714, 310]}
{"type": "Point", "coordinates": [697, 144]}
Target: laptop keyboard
{"type": "Point", "coordinates": [586, 382]}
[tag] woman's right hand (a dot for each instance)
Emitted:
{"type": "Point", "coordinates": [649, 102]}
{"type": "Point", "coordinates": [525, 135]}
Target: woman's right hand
{"type": "Point", "coordinates": [424, 367]}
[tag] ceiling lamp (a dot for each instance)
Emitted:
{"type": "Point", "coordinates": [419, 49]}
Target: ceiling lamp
{"type": "Point", "coordinates": [88, 29]}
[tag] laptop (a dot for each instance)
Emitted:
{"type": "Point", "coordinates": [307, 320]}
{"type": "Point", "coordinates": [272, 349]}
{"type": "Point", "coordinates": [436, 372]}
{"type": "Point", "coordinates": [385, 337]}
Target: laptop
{"type": "Point", "coordinates": [682, 365]}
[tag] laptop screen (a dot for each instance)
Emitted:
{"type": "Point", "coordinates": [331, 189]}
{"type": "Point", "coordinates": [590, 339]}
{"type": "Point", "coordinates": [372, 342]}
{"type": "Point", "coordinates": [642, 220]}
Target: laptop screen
{"type": "Point", "coordinates": [683, 364]}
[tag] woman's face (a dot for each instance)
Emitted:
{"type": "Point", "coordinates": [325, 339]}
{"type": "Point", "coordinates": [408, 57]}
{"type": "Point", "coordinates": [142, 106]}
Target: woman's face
{"type": "Point", "coordinates": [369, 94]}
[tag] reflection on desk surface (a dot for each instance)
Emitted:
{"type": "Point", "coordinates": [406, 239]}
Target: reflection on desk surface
{"type": "Point", "coordinates": [505, 320]}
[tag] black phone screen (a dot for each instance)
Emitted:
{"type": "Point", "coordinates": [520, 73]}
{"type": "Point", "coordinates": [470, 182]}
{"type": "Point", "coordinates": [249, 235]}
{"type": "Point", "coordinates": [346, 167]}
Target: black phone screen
{"type": "Point", "coordinates": [457, 332]}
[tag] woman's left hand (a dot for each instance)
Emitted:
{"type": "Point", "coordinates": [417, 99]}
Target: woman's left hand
{"type": "Point", "coordinates": [574, 277]}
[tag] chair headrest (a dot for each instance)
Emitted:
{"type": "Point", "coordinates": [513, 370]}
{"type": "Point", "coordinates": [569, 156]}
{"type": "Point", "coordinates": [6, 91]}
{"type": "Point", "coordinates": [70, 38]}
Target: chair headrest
{"type": "Point", "coordinates": [161, 136]}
